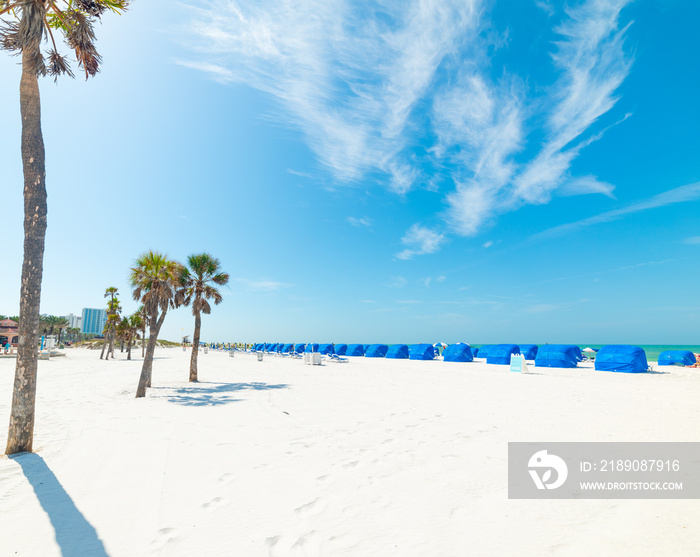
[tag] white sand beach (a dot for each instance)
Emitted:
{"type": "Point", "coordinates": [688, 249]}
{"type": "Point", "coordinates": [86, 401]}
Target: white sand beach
{"type": "Point", "coordinates": [370, 458]}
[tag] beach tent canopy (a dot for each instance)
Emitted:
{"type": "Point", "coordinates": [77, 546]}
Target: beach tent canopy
{"type": "Point", "coordinates": [271, 347]}
{"type": "Point", "coordinates": [397, 352]}
{"type": "Point", "coordinates": [325, 348]}
{"type": "Point", "coordinates": [579, 354]}
{"type": "Point", "coordinates": [459, 352]}
{"type": "Point", "coordinates": [259, 347]}
{"type": "Point", "coordinates": [311, 347]}
{"type": "Point", "coordinates": [299, 348]}
{"type": "Point", "coordinates": [501, 353]}
{"type": "Point", "coordinates": [484, 350]}
{"type": "Point", "coordinates": [355, 350]}
{"type": "Point", "coordinates": [340, 349]}
{"type": "Point", "coordinates": [475, 351]}
{"type": "Point", "coordinates": [621, 358]}
{"type": "Point", "coordinates": [365, 347]}
{"type": "Point", "coordinates": [676, 358]}
{"type": "Point", "coordinates": [376, 351]}
{"type": "Point", "coordinates": [557, 355]}
{"type": "Point", "coordinates": [287, 348]}
{"type": "Point", "coordinates": [421, 352]}
{"type": "Point", "coordinates": [529, 351]}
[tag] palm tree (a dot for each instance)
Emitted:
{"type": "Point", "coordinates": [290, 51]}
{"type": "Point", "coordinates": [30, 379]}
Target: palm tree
{"type": "Point", "coordinates": [113, 309]}
{"type": "Point", "coordinates": [155, 280]}
{"type": "Point", "coordinates": [196, 279]}
{"type": "Point", "coordinates": [48, 324]}
{"type": "Point", "coordinates": [131, 326]}
{"type": "Point", "coordinates": [30, 21]}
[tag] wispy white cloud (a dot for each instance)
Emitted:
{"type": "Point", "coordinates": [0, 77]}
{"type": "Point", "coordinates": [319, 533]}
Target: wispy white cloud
{"type": "Point", "coordinates": [419, 241]}
{"type": "Point", "coordinates": [693, 240]}
{"type": "Point", "coordinates": [297, 173]}
{"type": "Point", "coordinates": [690, 192]}
{"type": "Point", "coordinates": [348, 76]}
{"type": "Point", "coordinates": [397, 282]}
{"type": "Point", "coordinates": [429, 280]}
{"type": "Point", "coordinates": [363, 221]}
{"type": "Point", "coordinates": [363, 82]}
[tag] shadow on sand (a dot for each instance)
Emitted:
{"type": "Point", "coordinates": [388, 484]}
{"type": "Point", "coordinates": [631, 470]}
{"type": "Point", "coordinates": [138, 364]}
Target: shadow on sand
{"type": "Point", "coordinates": [209, 394]}
{"type": "Point", "coordinates": [74, 534]}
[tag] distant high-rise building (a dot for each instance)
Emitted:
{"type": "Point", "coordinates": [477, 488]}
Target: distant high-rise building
{"type": "Point", "coordinates": [93, 321]}
{"type": "Point", "coordinates": [74, 321]}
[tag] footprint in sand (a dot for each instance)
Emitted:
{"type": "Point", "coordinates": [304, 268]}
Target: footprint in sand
{"type": "Point", "coordinates": [165, 537]}
{"type": "Point", "coordinates": [226, 478]}
{"type": "Point", "coordinates": [307, 545]}
{"type": "Point", "coordinates": [325, 479]}
{"type": "Point", "coordinates": [310, 509]}
{"type": "Point", "coordinates": [214, 504]}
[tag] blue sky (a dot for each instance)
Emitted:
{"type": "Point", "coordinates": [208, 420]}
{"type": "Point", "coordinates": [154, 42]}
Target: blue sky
{"type": "Point", "coordinates": [397, 171]}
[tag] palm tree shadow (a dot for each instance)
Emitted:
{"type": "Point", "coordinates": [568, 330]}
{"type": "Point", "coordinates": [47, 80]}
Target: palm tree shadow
{"type": "Point", "coordinates": [209, 393]}
{"type": "Point", "coordinates": [74, 534]}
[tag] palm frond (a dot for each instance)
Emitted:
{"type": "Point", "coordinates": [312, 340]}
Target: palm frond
{"type": "Point", "coordinates": [90, 7]}
{"type": "Point", "coordinates": [9, 37]}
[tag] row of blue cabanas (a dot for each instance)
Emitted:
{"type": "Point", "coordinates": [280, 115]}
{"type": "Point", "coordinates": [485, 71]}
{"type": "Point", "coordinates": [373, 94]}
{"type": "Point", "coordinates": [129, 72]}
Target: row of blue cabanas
{"type": "Point", "coordinates": [619, 358]}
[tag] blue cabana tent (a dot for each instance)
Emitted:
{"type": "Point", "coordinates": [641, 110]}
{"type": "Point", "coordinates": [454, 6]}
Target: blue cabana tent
{"type": "Point", "coordinates": [475, 352]}
{"type": "Point", "coordinates": [459, 352]}
{"type": "Point", "coordinates": [355, 350]}
{"type": "Point", "coordinates": [341, 349]}
{"type": "Point", "coordinates": [366, 346]}
{"type": "Point", "coordinates": [271, 347]}
{"type": "Point", "coordinates": [397, 352]}
{"type": "Point", "coordinates": [501, 353]}
{"type": "Point", "coordinates": [287, 348]}
{"type": "Point", "coordinates": [622, 358]}
{"type": "Point", "coordinates": [325, 348]}
{"type": "Point", "coordinates": [557, 355]}
{"type": "Point", "coordinates": [484, 350]}
{"type": "Point", "coordinates": [299, 348]}
{"type": "Point", "coordinates": [579, 354]}
{"type": "Point", "coordinates": [421, 352]}
{"type": "Point", "coordinates": [529, 351]}
{"type": "Point", "coordinates": [311, 347]}
{"type": "Point", "coordinates": [676, 358]}
{"type": "Point", "coordinates": [376, 351]}
{"type": "Point", "coordinates": [260, 347]}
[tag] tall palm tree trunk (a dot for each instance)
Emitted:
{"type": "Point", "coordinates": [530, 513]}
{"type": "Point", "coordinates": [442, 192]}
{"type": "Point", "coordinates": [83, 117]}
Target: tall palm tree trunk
{"type": "Point", "coordinates": [195, 346]}
{"type": "Point", "coordinates": [21, 431]}
{"type": "Point", "coordinates": [110, 350]}
{"type": "Point", "coordinates": [145, 378]}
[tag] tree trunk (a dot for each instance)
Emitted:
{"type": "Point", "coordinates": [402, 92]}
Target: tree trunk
{"type": "Point", "coordinates": [110, 350]}
{"type": "Point", "coordinates": [128, 349]}
{"type": "Point", "coordinates": [143, 341]}
{"type": "Point", "coordinates": [21, 431]}
{"type": "Point", "coordinates": [104, 345]}
{"type": "Point", "coordinates": [146, 369]}
{"type": "Point", "coordinates": [195, 347]}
